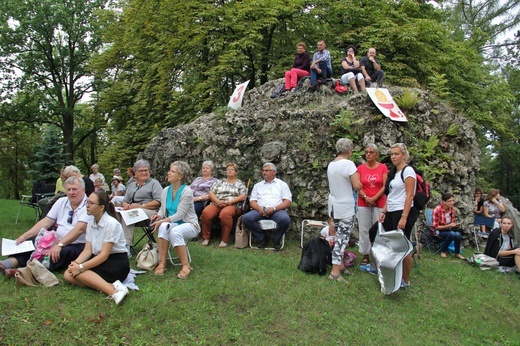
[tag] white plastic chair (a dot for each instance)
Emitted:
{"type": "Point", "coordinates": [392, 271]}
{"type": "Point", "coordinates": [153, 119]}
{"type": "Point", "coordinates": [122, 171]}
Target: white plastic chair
{"type": "Point", "coordinates": [310, 225]}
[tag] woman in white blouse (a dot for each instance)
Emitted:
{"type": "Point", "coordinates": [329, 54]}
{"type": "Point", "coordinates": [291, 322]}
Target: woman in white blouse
{"type": "Point", "coordinates": [103, 264]}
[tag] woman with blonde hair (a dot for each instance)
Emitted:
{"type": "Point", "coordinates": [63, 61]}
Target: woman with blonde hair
{"type": "Point", "coordinates": [176, 220]}
{"type": "Point", "coordinates": [399, 211]}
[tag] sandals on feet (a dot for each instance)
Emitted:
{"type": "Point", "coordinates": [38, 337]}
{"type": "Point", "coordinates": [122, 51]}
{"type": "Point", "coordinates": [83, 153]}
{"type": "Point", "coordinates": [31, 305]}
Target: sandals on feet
{"type": "Point", "coordinates": [161, 268]}
{"type": "Point", "coordinates": [443, 255]}
{"type": "Point", "coordinates": [338, 278]}
{"type": "Point", "coordinates": [459, 256]}
{"type": "Point", "coordinates": [183, 274]}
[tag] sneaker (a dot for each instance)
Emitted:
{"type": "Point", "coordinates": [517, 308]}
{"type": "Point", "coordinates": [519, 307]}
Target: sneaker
{"type": "Point", "coordinates": [118, 296]}
{"type": "Point", "coordinates": [367, 268]}
{"type": "Point", "coordinates": [205, 242]}
{"type": "Point", "coordinates": [293, 90]}
{"type": "Point", "coordinates": [222, 244]}
{"type": "Point", "coordinates": [404, 284]}
{"type": "Point", "coordinates": [118, 285]}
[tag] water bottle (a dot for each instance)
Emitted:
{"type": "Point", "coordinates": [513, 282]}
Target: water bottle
{"type": "Point", "coordinates": [46, 263]}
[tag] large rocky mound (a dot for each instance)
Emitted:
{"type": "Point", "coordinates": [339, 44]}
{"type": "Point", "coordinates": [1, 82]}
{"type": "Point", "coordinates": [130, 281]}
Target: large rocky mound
{"type": "Point", "coordinates": [298, 133]}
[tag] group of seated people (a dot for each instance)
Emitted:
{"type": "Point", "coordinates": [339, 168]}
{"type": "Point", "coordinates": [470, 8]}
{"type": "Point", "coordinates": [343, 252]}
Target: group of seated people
{"type": "Point", "coordinates": [358, 74]}
{"type": "Point", "coordinates": [93, 240]}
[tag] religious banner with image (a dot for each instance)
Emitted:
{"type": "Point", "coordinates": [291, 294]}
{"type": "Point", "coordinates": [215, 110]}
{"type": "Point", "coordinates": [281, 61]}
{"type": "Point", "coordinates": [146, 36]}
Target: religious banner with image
{"type": "Point", "coordinates": [235, 101]}
{"type": "Point", "coordinates": [386, 104]}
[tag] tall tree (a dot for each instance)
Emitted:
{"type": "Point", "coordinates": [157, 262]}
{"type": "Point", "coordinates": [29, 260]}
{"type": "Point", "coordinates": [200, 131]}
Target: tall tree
{"type": "Point", "coordinates": [44, 49]}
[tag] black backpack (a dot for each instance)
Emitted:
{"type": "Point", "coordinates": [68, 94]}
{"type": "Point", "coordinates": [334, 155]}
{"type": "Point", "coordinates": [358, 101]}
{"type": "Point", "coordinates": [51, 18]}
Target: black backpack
{"type": "Point", "coordinates": [315, 254]}
{"type": "Point", "coordinates": [277, 92]}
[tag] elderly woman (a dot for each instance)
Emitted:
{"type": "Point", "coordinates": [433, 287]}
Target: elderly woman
{"type": "Point", "coordinates": [399, 212]}
{"type": "Point", "coordinates": [301, 67]}
{"type": "Point", "coordinates": [176, 220]}
{"type": "Point", "coordinates": [501, 244]}
{"type": "Point", "coordinates": [351, 71]}
{"type": "Point", "coordinates": [103, 264]}
{"type": "Point", "coordinates": [118, 191]}
{"type": "Point", "coordinates": [343, 179]}
{"type": "Point", "coordinates": [224, 195]}
{"type": "Point", "coordinates": [95, 174]}
{"type": "Point", "coordinates": [493, 206]}
{"type": "Point", "coordinates": [145, 193]}
{"type": "Point", "coordinates": [201, 186]}
{"type": "Point", "coordinates": [372, 198]}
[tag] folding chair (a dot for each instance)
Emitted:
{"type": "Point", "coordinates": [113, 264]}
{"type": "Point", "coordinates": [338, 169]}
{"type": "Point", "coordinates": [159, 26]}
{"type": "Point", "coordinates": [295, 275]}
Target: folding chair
{"type": "Point", "coordinates": [172, 259]}
{"type": "Point", "coordinates": [40, 190]}
{"type": "Point", "coordinates": [427, 237]}
{"type": "Point", "coordinates": [145, 226]}
{"type": "Point", "coordinates": [267, 226]}
{"type": "Point", "coordinates": [474, 227]}
{"type": "Point", "coordinates": [310, 226]}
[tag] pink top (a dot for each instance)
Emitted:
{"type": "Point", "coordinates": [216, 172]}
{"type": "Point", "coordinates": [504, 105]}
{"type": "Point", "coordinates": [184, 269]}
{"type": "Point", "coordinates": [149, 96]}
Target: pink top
{"type": "Point", "coordinates": [372, 180]}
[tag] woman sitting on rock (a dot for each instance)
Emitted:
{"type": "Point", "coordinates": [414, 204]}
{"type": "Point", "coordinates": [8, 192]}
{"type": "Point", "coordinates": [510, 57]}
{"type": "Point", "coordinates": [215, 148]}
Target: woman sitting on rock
{"type": "Point", "coordinates": [301, 68]}
{"type": "Point", "coordinates": [224, 195]}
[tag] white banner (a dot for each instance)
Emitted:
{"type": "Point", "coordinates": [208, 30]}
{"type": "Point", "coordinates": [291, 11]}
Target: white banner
{"type": "Point", "coordinates": [235, 101]}
{"type": "Point", "coordinates": [384, 101]}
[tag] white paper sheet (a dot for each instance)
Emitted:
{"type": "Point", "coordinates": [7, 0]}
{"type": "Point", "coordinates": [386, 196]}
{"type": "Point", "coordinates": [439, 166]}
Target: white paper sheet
{"type": "Point", "coordinates": [9, 247]}
{"type": "Point", "coordinates": [133, 215]}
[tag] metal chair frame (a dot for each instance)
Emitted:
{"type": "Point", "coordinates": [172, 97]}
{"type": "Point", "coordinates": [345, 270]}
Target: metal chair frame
{"type": "Point", "coordinates": [266, 225]}
{"type": "Point", "coordinates": [307, 223]}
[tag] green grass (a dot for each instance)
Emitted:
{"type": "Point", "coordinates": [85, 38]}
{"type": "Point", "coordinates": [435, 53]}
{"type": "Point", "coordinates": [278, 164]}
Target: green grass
{"type": "Point", "coordinates": [258, 297]}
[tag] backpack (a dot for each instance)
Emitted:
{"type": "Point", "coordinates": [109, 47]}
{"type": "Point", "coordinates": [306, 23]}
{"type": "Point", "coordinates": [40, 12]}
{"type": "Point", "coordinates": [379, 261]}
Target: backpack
{"type": "Point", "coordinates": [315, 253]}
{"type": "Point", "coordinates": [340, 89]}
{"type": "Point", "coordinates": [277, 92]}
{"type": "Point", "coordinates": [484, 262]}
{"type": "Point", "coordinates": [422, 190]}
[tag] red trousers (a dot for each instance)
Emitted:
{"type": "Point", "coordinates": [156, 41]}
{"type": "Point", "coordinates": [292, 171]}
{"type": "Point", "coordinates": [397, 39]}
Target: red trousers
{"type": "Point", "coordinates": [225, 215]}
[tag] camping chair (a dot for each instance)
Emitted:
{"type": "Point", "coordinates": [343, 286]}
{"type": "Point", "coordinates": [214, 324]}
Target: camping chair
{"type": "Point", "coordinates": [310, 226]}
{"type": "Point", "coordinates": [174, 260]}
{"type": "Point", "coordinates": [147, 232]}
{"type": "Point", "coordinates": [267, 226]}
{"type": "Point", "coordinates": [427, 237]}
{"type": "Point", "coordinates": [40, 190]}
{"type": "Point", "coordinates": [474, 228]}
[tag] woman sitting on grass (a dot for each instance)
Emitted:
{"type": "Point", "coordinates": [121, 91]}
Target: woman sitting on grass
{"type": "Point", "coordinates": [177, 221]}
{"type": "Point", "coordinates": [104, 259]}
{"type": "Point", "coordinates": [501, 244]}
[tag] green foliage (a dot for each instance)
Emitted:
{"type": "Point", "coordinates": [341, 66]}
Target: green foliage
{"type": "Point", "coordinates": [408, 100]}
{"type": "Point", "coordinates": [48, 158]}
{"type": "Point", "coordinates": [45, 46]}
{"type": "Point", "coordinates": [438, 85]}
{"type": "Point", "coordinates": [453, 130]}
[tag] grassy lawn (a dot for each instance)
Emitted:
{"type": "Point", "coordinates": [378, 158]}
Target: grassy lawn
{"type": "Point", "coordinates": [259, 297]}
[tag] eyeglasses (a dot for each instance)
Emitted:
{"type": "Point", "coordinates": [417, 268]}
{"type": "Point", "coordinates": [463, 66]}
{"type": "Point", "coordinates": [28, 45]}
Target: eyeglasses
{"type": "Point", "coordinates": [69, 220]}
{"type": "Point", "coordinates": [267, 170]}
{"type": "Point", "coordinates": [142, 171]}
{"type": "Point", "coordinates": [89, 203]}
{"type": "Point", "coordinates": [370, 152]}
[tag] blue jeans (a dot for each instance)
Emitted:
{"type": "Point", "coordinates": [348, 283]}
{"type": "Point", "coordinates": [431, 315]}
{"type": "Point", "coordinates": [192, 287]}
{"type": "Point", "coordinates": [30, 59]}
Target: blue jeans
{"type": "Point", "coordinates": [325, 72]}
{"type": "Point", "coordinates": [282, 219]}
{"type": "Point", "coordinates": [449, 236]}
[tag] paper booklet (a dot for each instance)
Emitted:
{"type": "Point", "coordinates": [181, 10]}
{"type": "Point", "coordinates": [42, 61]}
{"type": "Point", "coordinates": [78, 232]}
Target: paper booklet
{"type": "Point", "coordinates": [9, 247]}
{"type": "Point", "coordinates": [132, 216]}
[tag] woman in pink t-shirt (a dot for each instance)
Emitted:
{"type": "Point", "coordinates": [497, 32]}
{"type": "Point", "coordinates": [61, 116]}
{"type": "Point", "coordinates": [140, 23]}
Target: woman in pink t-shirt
{"type": "Point", "coordinates": [371, 199]}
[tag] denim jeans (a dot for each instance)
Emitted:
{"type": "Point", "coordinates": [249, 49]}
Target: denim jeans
{"type": "Point", "coordinates": [449, 236]}
{"type": "Point", "coordinates": [325, 72]}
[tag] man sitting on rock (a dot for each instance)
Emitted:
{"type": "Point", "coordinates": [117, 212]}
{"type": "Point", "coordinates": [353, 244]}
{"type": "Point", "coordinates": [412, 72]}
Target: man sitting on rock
{"type": "Point", "coordinates": [371, 69]}
{"type": "Point", "coordinates": [70, 215]}
{"type": "Point", "coordinates": [268, 201]}
{"type": "Point", "coordinates": [321, 67]}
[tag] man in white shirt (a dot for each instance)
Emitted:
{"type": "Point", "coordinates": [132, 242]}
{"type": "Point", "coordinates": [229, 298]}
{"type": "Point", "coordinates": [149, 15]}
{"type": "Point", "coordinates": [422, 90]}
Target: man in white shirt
{"type": "Point", "coordinates": [269, 200]}
{"type": "Point", "coordinates": [70, 215]}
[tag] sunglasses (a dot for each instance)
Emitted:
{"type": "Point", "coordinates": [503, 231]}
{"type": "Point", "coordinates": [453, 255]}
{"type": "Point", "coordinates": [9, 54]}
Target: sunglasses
{"type": "Point", "coordinates": [69, 220]}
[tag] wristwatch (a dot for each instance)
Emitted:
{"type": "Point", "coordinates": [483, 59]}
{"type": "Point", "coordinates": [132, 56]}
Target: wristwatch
{"type": "Point", "coordinates": [61, 245]}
